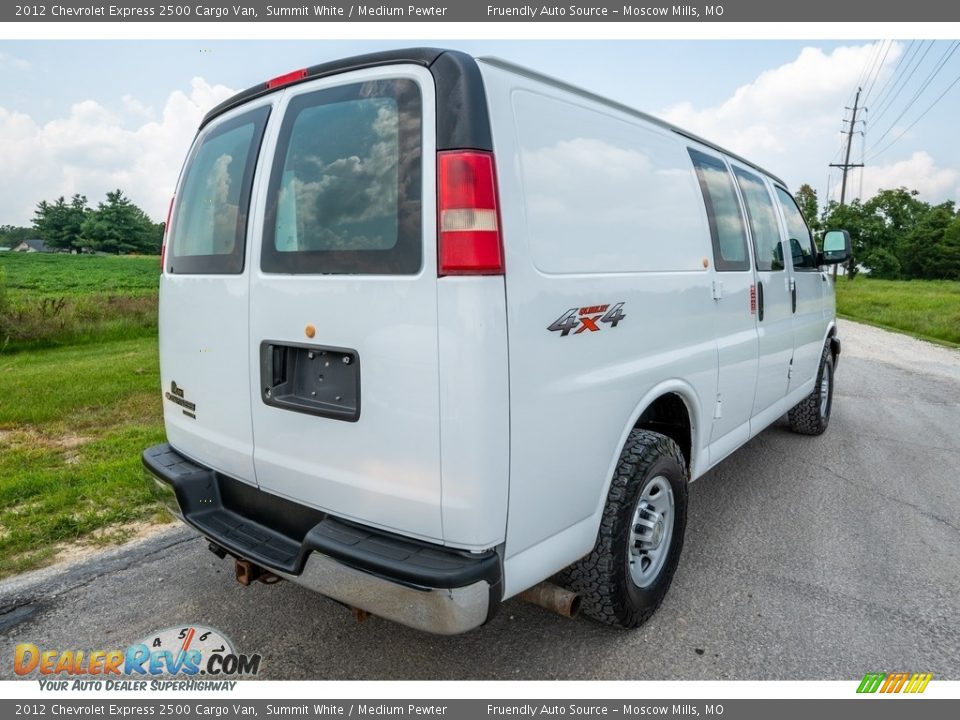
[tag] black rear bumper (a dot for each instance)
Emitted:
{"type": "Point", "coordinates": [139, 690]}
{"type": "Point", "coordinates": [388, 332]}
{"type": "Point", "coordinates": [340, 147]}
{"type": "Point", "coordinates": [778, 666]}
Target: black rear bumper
{"type": "Point", "coordinates": [285, 537]}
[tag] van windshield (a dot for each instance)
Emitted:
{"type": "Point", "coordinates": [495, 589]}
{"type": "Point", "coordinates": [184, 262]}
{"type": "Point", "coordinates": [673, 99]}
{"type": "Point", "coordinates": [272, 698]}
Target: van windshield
{"type": "Point", "coordinates": [344, 193]}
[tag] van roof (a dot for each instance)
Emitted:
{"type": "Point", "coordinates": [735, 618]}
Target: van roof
{"type": "Point", "coordinates": [459, 83]}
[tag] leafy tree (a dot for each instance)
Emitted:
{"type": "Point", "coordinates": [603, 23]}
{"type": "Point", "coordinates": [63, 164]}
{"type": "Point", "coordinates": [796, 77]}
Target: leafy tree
{"type": "Point", "coordinates": [895, 234]}
{"type": "Point", "coordinates": [119, 226]}
{"type": "Point", "coordinates": [950, 250]}
{"type": "Point", "coordinates": [882, 263]}
{"type": "Point", "coordinates": [927, 250]}
{"type": "Point", "coordinates": [900, 209]}
{"type": "Point", "coordinates": [11, 235]}
{"type": "Point", "coordinates": [58, 224]}
{"type": "Point", "coordinates": [806, 198]}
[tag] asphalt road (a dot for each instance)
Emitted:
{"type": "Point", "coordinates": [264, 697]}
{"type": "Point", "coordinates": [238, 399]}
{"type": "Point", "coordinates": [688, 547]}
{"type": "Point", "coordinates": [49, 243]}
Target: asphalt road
{"type": "Point", "coordinates": [805, 558]}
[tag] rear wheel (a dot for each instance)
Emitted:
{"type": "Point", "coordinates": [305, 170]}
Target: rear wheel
{"type": "Point", "coordinates": [626, 576]}
{"type": "Point", "coordinates": [812, 414]}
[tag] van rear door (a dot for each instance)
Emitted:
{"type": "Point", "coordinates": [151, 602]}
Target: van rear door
{"type": "Point", "coordinates": [343, 301]}
{"type": "Point", "coordinates": [203, 296]}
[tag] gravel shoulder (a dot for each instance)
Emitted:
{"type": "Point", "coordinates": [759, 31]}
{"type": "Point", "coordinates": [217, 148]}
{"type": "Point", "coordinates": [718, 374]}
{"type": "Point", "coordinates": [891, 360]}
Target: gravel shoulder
{"type": "Point", "coordinates": [902, 351]}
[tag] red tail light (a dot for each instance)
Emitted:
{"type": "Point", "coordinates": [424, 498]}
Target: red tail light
{"type": "Point", "coordinates": [166, 234]}
{"type": "Point", "coordinates": [468, 215]}
{"type": "Point", "coordinates": [286, 79]}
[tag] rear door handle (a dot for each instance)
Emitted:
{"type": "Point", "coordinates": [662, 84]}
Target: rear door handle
{"type": "Point", "coordinates": [760, 301]}
{"type": "Point", "coordinates": [793, 294]}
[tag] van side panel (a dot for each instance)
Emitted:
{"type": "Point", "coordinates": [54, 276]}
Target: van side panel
{"type": "Point", "coordinates": [474, 410]}
{"type": "Point", "coordinates": [573, 393]}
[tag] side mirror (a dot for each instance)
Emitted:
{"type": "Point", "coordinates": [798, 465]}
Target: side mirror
{"type": "Point", "coordinates": [836, 247]}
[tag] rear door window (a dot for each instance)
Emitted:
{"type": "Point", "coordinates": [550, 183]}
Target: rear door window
{"type": "Point", "coordinates": [209, 226]}
{"type": "Point", "coordinates": [345, 188]}
{"type": "Point", "coordinates": [723, 212]}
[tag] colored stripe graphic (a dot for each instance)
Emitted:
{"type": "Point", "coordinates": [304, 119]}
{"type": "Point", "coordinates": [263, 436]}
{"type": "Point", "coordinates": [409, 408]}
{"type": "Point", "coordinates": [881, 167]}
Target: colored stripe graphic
{"type": "Point", "coordinates": [894, 682]}
{"type": "Point", "coordinates": [871, 682]}
{"type": "Point", "coordinates": [918, 682]}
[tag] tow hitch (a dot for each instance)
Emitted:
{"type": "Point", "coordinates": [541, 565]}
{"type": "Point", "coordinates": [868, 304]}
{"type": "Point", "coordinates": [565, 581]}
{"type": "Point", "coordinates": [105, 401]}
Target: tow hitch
{"type": "Point", "coordinates": [247, 572]}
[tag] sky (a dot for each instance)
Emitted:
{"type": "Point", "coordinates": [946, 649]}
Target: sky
{"type": "Point", "coordinates": [92, 116]}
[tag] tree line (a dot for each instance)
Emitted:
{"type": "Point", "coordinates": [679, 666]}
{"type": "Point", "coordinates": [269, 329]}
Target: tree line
{"type": "Point", "coordinates": [116, 226]}
{"type": "Point", "coordinates": [895, 235]}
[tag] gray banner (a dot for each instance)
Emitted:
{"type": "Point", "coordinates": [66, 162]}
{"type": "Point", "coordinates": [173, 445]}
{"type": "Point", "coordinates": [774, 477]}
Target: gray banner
{"type": "Point", "coordinates": [872, 708]}
{"type": "Point", "coordinates": [482, 11]}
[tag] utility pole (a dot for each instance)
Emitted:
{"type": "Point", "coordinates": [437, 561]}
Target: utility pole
{"type": "Point", "coordinates": [846, 164]}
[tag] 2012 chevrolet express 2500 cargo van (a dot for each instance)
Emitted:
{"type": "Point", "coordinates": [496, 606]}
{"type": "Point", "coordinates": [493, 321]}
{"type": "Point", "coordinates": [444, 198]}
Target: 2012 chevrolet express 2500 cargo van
{"type": "Point", "coordinates": [434, 329]}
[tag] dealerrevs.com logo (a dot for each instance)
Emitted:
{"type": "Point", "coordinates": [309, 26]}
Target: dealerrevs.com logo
{"type": "Point", "coordinates": [179, 655]}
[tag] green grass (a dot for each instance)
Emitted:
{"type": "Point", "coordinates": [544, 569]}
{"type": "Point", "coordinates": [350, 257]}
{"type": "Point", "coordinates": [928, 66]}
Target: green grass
{"type": "Point", "coordinates": [928, 309]}
{"type": "Point", "coordinates": [60, 275]}
{"type": "Point", "coordinates": [51, 300]}
{"type": "Point", "coordinates": [73, 422]}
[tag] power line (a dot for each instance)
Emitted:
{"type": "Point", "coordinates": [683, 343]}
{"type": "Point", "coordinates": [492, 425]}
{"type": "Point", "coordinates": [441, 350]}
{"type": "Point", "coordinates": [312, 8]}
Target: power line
{"type": "Point", "coordinates": [896, 68]}
{"type": "Point", "coordinates": [916, 96]}
{"type": "Point", "coordinates": [874, 52]}
{"type": "Point", "coordinates": [892, 95]}
{"type": "Point", "coordinates": [939, 98]}
{"type": "Point", "coordinates": [877, 70]}
{"type": "Point", "coordinates": [888, 94]}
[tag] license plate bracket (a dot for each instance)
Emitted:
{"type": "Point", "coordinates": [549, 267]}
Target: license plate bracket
{"type": "Point", "coordinates": [312, 379]}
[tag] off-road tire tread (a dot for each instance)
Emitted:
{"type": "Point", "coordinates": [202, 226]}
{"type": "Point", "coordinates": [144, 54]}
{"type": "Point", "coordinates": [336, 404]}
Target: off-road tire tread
{"type": "Point", "coordinates": [805, 417]}
{"type": "Point", "coordinates": [600, 577]}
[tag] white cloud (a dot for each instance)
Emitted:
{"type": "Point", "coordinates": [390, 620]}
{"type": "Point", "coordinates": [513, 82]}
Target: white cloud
{"type": "Point", "coordinates": [9, 62]}
{"type": "Point", "coordinates": [787, 107]}
{"type": "Point", "coordinates": [789, 120]}
{"type": "Point", "coordinates": [93, 150]}
{"type": "Point", "coordinates": [918, 172]}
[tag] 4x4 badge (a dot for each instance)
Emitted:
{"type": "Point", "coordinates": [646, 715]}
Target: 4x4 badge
{"type": "Point", "coordinates": [585, 319]}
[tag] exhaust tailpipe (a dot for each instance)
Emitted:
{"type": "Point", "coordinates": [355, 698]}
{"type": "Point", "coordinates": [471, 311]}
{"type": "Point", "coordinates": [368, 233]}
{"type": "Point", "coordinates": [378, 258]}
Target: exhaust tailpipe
{"type": "Point", "coordinates": [553, 598]}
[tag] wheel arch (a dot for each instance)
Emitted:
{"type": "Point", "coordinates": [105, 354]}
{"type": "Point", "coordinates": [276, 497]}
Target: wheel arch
{"type": "Point", "coordinates": [833, 341]}
{"type": "Point", "coordinates": [659, 410]}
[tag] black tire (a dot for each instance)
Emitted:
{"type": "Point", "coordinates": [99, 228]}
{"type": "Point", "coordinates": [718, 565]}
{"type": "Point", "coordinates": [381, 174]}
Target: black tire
{"type": "Point", "coordinates": [811, 416]}
{"type": "Point", "coordinates": [603, 579]}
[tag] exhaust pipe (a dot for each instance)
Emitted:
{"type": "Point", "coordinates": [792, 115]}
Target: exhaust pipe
{"type": "Point", "coordinates": [247, 572]}
{"type": "Point", "coordinates": [553, 598]}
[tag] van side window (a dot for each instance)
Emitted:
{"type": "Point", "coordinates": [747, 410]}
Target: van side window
{"type": "Point", "coordinates": [764, 227]}
{"type": "Point", "coordinates": [801, 242]}
{"type": "Point", "coordinates": [723, 212]}
{"type": "Point", "coordinates": [209, 227]}
{"type": "Point", "coordinates": [345, 190]}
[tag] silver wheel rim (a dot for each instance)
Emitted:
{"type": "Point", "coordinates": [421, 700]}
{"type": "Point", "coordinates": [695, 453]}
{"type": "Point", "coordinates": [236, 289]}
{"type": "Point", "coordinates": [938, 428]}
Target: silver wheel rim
{"type": "Point", "coordinates": [651, 532]}
{"type": "Point", "coordinates": [824, 390]}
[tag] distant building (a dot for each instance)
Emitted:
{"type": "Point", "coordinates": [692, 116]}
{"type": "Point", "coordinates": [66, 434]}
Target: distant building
{"type": "Point", "coordinates": [32, 246]}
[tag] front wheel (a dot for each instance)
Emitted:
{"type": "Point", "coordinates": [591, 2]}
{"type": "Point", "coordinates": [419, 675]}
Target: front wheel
{"type": "Point", "coordinates": [812, 414]}
{"type": "Point", "coordinates": [627, 574]}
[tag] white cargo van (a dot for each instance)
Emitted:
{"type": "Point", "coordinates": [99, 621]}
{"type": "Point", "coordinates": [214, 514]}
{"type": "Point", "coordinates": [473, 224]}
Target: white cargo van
{"type": "Point", "coordinates": [436, 329]}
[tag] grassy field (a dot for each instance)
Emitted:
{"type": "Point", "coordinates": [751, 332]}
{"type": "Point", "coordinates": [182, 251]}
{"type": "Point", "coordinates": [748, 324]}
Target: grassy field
{"type": "Point", "coordinates": [73, 422]}
{"type": "Point", "coordinates": [928, 309]}
{"type": "Point", "coordinates": [79, 400]}
{"type": "Point", "coordinates": [49, 300]}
